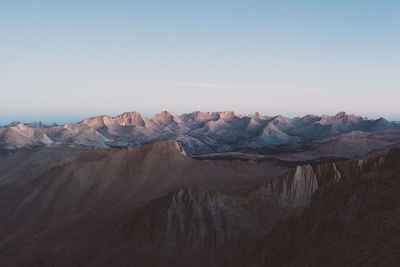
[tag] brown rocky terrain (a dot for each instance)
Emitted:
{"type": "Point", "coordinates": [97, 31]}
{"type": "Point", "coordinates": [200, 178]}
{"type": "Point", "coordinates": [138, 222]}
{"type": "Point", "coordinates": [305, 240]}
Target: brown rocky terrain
{"type": "Point", "coordinates": [155, 206]}
{"type": "Point", "coordinates": [58, 203]}
{"type": "Point", "coordinates": [351, 222]}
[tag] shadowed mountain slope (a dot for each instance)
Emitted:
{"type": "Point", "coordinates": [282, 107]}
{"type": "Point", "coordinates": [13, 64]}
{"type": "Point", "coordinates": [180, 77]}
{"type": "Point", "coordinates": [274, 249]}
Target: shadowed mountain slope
{"type": "Point", "coordinates": [57, 203]}
{"type": "Point", "coordinates": [353, 222]}
{"type": "Point", "coordinates": [154, 206]}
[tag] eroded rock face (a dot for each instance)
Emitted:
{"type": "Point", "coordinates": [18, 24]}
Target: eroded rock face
{"type": "Point", "coordinates": [154, 206]}
{"type": "Point", "coordinates": [327, 173]}
{"type": "Point", "coordinates": [197, 219]}
{"type": "Point", "coordinates": [296, 187]}
{"type": "Point", "coordinates": [203, 219]}
{"type": "Point", "coordinates": [354, 222]}
{"type": "Point", "coordinates": [294, 190]}
{"type": "Point", "coordinates": [302, 186]}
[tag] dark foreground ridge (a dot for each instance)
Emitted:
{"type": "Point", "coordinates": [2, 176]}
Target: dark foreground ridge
{"type": "Point", "coordinates": [154, 206]}
{"type": "Point", "coordinates": [355, 222]}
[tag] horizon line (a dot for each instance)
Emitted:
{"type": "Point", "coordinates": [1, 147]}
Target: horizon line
{"type": "Point", "coordinates": [185, 113]}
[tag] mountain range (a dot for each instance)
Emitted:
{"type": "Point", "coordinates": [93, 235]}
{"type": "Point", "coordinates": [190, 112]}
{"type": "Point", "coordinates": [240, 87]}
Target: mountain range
{"type": "Point", "coordinates": [201, 189]}
{"type": "Point", "coordinates": [202, 133]}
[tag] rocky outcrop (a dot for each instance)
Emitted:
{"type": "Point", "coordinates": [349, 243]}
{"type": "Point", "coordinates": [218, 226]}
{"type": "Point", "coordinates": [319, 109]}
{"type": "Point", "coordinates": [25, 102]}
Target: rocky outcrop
{"type": "Point", "coordinates": [208, 220]}
{"type": "Point", "coordinates": [195, 218]}
{"type": "Point", "coordinates": [327, 173]}
{"type": "Point", "coordinates": [302, 185]}
{"type": "Point", "coordinates": [294, 190]}
{"type": "Point", "coordinates": [352, 222]}
{"type": "Point", "coordinates": [296, 187]}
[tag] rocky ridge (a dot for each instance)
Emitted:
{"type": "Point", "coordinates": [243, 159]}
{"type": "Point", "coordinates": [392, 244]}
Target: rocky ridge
{"type": "Point", "coordinates": [350, 222]}
{"type": "Point", "coordinates": [197, 132]}
{"type": "Point", "coordinates": [154, 206]}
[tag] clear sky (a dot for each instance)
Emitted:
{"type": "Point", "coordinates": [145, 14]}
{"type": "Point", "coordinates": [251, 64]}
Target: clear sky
{"type": "Point", "coordinates": [62, 61]}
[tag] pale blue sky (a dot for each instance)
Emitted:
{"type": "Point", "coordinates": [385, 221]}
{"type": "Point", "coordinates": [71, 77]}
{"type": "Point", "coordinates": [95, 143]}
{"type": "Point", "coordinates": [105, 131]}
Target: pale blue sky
{"type": "Point", "coordinates": [63, 61]}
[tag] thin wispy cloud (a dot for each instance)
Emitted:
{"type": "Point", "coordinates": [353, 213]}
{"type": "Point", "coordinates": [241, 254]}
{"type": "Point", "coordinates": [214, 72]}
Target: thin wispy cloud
{"type": "Point", "coordinates": [230, 86]}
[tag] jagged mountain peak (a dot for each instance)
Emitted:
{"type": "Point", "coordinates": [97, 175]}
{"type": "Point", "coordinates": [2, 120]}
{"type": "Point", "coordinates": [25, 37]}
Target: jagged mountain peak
{"type": "Point", "coordinates": [341, 116]}
{"type": "Point", "coordinates": [208, 116]}
{"type": "Point", "coordinates": [281, 120]}
{"type": "Point", "coordinates": [381, 123]}
{"type": "Point", "coordinates": [165, 117]}
{"type": "Point", "coordinates": [257, 115]}
{"type": "Point", "coordinates": [130, 118]}
{"type": "Point", "coordinates": [382, 120]}
{"type": "Point", "coordinates": [199, 132]}
{"type": "Point", "coordinates": [344, 115]}
{"type": "Point", "coordinates": [165, 113]}
{"type": "Point", "coordinates": [228, 114]}
{"type": "Point", "coordinates": [199, 115]}
{"type": "Point", "coordinates": [12, 124]}
{"type": "Point", "coordinates": [126, 118]}
{"type": "Point", "coordinates": [130, 114]}
{"type": "Point", "coordinates": [36, 124]}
